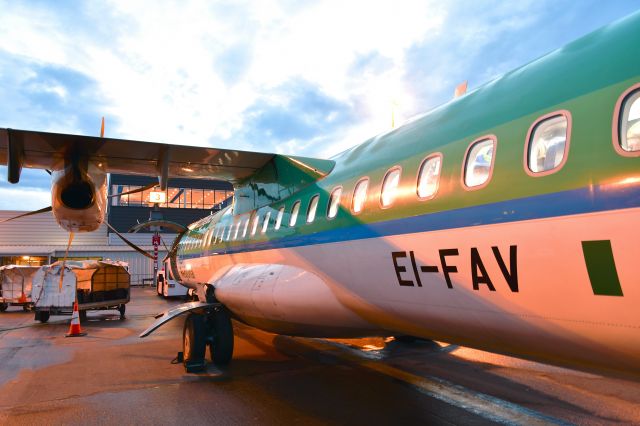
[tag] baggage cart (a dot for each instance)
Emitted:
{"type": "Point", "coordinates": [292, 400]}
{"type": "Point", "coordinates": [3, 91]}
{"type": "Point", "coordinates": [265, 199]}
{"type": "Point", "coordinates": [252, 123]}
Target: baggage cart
{"type": "Point", "coordinates": [15, 286]}
{"type": "Point", "coordinates": [96, 285]}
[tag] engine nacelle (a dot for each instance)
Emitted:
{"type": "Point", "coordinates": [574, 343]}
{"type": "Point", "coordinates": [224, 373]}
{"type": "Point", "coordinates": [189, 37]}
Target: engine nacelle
{"type": "Point", "coordinates": [287, 300]}
{"type": "Point", "coordinates": [79, 197]}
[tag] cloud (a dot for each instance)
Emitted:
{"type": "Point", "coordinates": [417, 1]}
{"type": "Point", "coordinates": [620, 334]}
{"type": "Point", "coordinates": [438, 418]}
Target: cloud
{"type": "Point", "coordinates": [292, 115]}
{"type": "Point", "coordinates": [307, 78]}
{"type": "Point", "coordinates": [47, 97]}
{"type": "Point", "coordinates": [26, 199]}
{"type": "Point", "coordinates": [29, 178]}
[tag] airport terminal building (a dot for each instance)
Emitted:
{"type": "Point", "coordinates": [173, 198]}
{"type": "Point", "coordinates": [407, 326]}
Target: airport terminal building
{"type": "Point", "coordinates": [38, 240]}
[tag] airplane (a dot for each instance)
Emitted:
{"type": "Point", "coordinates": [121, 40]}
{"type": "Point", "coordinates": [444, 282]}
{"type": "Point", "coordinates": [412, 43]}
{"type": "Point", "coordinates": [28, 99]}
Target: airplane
{"type": "Point", "coordinates": [504, 220]}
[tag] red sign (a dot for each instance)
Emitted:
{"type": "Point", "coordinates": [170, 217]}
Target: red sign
{"type": "Point", "coordinates": [155, 240]}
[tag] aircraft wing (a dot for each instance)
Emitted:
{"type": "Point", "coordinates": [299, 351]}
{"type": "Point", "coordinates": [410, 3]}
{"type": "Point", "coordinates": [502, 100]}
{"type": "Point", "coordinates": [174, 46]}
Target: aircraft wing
{"type": "Point", "coordinates": [49, 150]}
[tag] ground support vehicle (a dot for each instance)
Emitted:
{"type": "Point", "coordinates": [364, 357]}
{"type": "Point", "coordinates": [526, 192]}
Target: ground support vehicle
{"type": "Point", "coordinates": [96, 285]}
{"type": "Point", "coordinates": [167, 286]}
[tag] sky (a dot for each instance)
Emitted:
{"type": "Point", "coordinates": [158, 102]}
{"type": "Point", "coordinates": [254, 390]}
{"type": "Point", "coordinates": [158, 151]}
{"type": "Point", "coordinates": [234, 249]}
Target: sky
{"type": "Point", "coordinates": [309, 78]}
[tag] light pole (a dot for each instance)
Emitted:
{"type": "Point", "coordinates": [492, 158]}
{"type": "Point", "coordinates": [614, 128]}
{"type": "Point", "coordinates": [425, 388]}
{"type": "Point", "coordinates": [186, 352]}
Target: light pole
{"type": "Point", "coordinates": [156, 197]}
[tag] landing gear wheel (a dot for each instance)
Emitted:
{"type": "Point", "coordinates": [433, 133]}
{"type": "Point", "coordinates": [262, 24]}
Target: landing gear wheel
{"type": "Point", "coordinates": [83, 315]}
{"type": "Point", "coordinates": [221, 342]}
{"type": "Point", "coordinates": [122, 309]}
{"type": "Point", "coordinates": [194, 343]}
{"type": "Point", "coordinates": [3, 307]}
{"type": "Point", "coordinates": [42, 316]}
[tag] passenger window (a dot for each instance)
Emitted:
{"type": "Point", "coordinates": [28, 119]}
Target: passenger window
{"type": "Point", "coordinates": [313, 206]}
{"type": "Point", "coordinates": [237, 230]}
{"type": "Point", "coordinates": [334, 203]}
{"type": "Point", "coordinates": [294, 213]}
{"type": "Point", "coordinates": [429, 177]}
{"type": "Point", "coordinates": [279, 218]}
{"type": "Point", "coordinates": [547, 145]}
{"type": "Point", "coordinates": [265, 224]}
{"type": "Point", "coordinates": [629, 125]}
{"type": "Point", "coordinates": [246, 227]}
{"type": "Point", "coordinates": [254, 226]}
{"type": "Point", "coordinates": [390, 187]}
{"type": "Point", "coordinates": [360, 195]}
{"type": "Point", "coordinates": [478, 163]}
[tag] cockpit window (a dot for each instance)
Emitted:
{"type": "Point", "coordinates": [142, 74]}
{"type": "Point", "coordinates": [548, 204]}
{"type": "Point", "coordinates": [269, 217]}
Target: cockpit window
{"type": "Point", "coordinates": [547, 145]}
{"type": "Point", "coordinates": [629, 125]}
{"type": "Point", "coordinates": [479, 163]}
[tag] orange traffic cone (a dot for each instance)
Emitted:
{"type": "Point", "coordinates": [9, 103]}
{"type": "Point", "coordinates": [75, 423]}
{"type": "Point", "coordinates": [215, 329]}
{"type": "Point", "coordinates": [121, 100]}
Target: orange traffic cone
{"type": "Point", "coordinates": [22, 298]}
{"type": "Point", "coordinates": [74, 328]}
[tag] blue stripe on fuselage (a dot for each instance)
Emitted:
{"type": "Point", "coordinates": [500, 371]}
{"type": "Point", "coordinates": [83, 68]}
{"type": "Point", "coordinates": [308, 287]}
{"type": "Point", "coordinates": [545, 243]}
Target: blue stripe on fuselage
{"type": "Point", "coordinates": [590, 199]}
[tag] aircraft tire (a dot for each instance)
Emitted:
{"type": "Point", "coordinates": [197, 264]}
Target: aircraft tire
{"type": "Point", "coordinates": [3, 307]}
{"type": "Point", "coordinates": [43, 317]}
{"type": "Point", "coordinates": [194, 343]}
{"type": "Point", "coordinates": [221, 344]}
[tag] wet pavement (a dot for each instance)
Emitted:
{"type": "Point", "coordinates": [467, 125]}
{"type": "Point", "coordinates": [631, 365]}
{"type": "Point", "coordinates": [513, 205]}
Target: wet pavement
{"type": "Point", "coordinates": [111, 376]}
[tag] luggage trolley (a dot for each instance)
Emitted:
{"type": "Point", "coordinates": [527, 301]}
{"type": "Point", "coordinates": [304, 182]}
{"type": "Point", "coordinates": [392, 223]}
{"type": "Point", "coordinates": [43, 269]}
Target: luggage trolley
{"type": "Point", "coordinates": [15, 286]}
{"type": "Point", "coordinates": [97, 285]}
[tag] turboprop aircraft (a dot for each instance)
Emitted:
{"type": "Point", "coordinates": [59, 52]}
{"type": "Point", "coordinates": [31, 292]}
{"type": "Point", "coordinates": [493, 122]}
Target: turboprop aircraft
{"type": "Point", "coordinates": [505, 220]}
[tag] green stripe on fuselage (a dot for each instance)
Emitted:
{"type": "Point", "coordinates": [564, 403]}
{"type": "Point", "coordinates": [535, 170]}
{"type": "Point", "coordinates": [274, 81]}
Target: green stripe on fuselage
{"type": "Point", "coordinates": [602, 268]}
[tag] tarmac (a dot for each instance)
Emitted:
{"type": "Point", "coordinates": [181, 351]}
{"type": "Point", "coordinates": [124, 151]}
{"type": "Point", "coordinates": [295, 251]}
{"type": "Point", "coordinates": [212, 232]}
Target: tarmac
{"type": "Point", "coordinates": [111, 376]}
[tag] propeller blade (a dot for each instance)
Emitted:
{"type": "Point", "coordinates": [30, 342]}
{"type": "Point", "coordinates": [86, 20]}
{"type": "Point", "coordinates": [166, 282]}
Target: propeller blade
{"type": "Point", "coordinates": [44, 210]}
{"type": "Point", "coordinates": [129, 243]}
{"type": "Point", "coordinates": [165, 246]}
{"type": "Point", "coordinates": [174, 246]}
{"type": "Point", "coordinates": [160, 222]}
{"type": "Point", "coordinates": [133, 191]}
{"type": "Point", "coordinates": [102, 128]}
